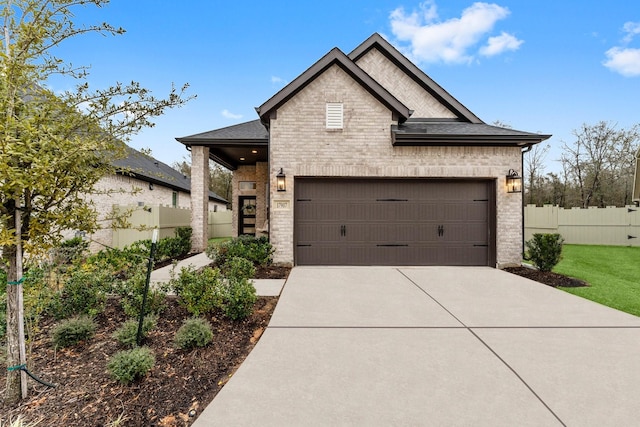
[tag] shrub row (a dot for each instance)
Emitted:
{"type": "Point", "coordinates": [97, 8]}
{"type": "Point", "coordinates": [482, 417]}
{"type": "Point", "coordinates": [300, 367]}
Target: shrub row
{"type": "Point", "coordinates": [131, 257]}
{"type": "Point", "coordinates": [129, 365]}
{"type": "Point", "coordinates": [258, 250]}
{"type": "Point", "coordinates": [204, 291]}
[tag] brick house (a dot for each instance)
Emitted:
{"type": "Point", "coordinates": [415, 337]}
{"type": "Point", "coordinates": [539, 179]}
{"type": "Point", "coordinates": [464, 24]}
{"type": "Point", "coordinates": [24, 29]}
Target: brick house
{"type": "Point", "coordinates": [364, 160]}
{"type": "Point", "coordinates": [143, 181]}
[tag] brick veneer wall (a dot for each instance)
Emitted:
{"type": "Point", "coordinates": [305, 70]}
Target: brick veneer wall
{"type": "Point", "coordinates": [402, 86]}
{"type": "Point", "coordinates": [300, 144]}
{"type": "Point", "coordinates": [200, 193]}
{"type": "Point", "coordinates": [127, 190]}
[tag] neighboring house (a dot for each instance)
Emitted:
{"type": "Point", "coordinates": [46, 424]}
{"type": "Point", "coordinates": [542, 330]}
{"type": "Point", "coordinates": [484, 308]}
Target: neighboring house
{"type": "Point", "coordinates": [364, 160]}
{"type": "Point", "coordinates": [143, 181]}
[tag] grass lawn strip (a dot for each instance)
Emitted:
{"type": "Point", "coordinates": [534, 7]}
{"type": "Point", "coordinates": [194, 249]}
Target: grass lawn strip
{"type": "Point", "coordinates": [612, 272]}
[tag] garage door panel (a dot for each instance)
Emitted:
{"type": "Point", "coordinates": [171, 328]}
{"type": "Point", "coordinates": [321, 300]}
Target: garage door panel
{"type": "Point", "coordinates": [465, 232]}
{"type": "Point", "coordinates": [384, 233]}
{"type": "Point", "coordinates": [319, 255]}
{"type": "Point", "coordinates": [324, 232]}
{"type": "Point", "coordinates": [393, 222]}
{"type": "Point", "coordinates": [314, 212]}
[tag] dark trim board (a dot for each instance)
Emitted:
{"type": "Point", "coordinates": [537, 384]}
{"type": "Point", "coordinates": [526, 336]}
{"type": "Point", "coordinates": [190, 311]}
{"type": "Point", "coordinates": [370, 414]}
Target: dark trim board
{"type": "Point", "coordinates": [391, 221]}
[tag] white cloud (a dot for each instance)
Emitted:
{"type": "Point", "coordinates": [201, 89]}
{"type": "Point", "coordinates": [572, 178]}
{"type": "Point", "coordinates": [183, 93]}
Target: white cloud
{"type": "Point", "coordinates": [499, 44]}
{"type": "Point", "coordinates": [449, 41]}
{"type": "Point", "coordinates": [276, 80]}
{"type": "Point", "coordinates": [229, 115]}
{"type": "Point", "coordinates": [625, 61]}
{"type": "Point", "coordinates": [632, 29]}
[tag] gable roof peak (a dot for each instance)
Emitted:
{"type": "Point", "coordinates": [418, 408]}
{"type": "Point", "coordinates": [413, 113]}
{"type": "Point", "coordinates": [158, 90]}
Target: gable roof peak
{"type": "Point", "coordinates": [376, 41]}
{"type": "Point", "coordinates": [334, 57]}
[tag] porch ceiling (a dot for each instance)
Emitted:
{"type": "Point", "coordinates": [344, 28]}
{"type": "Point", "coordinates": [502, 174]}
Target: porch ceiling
{"type": "Point", "coordinates": [233, 146]}
{"type": "Point", "coordinates": [232, 156]}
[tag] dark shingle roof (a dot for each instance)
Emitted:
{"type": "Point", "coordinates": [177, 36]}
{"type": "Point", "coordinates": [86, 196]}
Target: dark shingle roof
{"type": "Point", "coordinates": [451, 132]}
{"type": "Point", "coordinates": [243, 131]}
{"type": "Point", "coordinates": [232, 146]}
{"type": "Point", "coordinates": [148, 169]}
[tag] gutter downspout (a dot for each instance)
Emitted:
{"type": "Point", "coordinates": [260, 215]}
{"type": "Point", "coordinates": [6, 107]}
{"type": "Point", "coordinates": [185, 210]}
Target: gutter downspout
{"type": "Point", "coordinates": [522, 153]}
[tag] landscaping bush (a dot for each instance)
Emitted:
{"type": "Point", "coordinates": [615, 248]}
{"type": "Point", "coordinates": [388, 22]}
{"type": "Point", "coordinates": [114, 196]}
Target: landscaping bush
{"type": "Point", "coordinates": [84, 292]}
{"type": "Point", "coordinates": [121, 263]}
{"type": "Point", "coordinates": [545, 250]}
{"type": "Point", "coordinates": [132, 291]}
{"type": "Point", "coordinates": [129, 365]}
{"type": "Point", "coordinates": [167, 247]}
{"type": "Point", "coordinates": [71, 331]}
{"type": "Point", "coordinates": [37, 297]}
{"type": "Point", "coordinates": [257, 250]}
{"type": "Point", "coordinates": [127, 333]}
{"type": "Point", "coordinates": [238, 268]}
{"type": "Point", "coordinates": [239, 298]}
{"type": "Point", "coordinates": [194, 332]}
{"type": "Point", "coordinates": [70, 250]}
{"type": "Point", "coordinates": [198, 292]}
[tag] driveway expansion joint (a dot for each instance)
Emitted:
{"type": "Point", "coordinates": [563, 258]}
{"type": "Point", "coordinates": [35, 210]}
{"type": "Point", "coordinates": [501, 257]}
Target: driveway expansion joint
{"type": "Point", "coordinates": [504, 362]}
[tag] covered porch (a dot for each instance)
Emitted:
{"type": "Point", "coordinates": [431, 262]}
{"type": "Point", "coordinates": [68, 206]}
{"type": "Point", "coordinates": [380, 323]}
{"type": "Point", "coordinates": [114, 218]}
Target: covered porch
{"type": "Point", "coordinates": [243, 149]}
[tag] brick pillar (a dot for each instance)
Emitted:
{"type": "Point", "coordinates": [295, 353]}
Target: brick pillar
{"type": "Point", "coordinates": [199, 197]}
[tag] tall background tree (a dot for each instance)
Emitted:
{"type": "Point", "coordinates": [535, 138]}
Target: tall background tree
{"type": "Point", "coordinates": [534, 165]}
{"type": "Point", "coordinates": [54, 147]}
{"type": "Point", "coordinates": [219, 177]}
{"type": "Point", "coordinates": [597, 168]}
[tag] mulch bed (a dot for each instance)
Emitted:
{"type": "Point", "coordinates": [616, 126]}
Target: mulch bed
{"type": "Point", "coordinates": [547, 277]}
{"type": "Point", "coordinates": [180, 381]}
{"type": "Point", "coordinates": [272, 272]}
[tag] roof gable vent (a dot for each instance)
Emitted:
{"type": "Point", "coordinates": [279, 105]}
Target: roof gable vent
{"type": "Point", "coordinates": [334, 115]}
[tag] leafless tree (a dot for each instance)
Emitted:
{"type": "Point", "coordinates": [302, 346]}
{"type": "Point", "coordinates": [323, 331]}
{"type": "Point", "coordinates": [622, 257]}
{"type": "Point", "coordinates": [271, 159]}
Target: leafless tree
{"type": "Point", "coordinates": [534, 165]}
{"type": "Point", "coordinates": [600, 163]}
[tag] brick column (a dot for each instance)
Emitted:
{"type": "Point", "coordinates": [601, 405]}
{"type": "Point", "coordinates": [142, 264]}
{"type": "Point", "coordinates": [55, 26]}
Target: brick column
{"type": "Point", "coordinates": [199, 197]}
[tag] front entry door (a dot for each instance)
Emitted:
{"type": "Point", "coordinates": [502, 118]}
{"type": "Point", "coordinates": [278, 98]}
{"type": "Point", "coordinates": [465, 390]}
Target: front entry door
{"type": "Point", "coordinates": [247, 215]}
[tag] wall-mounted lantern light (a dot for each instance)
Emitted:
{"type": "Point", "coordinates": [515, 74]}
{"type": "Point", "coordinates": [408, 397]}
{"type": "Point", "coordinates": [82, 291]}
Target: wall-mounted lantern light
{"type": "Point", "coordinates": [514, 182]}
{"type": "Point", "coordinates": [281, 182]}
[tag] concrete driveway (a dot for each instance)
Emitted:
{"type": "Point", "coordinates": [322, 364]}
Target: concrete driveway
{"type": "Point", "coordinates": [382, 346]}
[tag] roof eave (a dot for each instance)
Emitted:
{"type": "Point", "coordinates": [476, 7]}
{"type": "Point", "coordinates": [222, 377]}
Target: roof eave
{"type": "Point", "coordinates": [420, 139]}
{"type": "Point", "coordinates": [222, 142]}
{"type": "Point", "coordinates": [162, 183]}
{"type": "Point", "coordinates": [151, 180]}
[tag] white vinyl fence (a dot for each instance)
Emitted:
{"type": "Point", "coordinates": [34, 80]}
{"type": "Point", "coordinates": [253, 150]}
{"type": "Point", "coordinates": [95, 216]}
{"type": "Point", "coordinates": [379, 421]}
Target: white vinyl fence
{"type": "Point", "coordinates": [166, 219]}
{"type": "Point", "coordinates": [592, 226]}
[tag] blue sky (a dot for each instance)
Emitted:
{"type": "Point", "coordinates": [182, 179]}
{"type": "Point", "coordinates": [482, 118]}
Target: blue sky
{"type": "Point", "coordinates": [541, 66]}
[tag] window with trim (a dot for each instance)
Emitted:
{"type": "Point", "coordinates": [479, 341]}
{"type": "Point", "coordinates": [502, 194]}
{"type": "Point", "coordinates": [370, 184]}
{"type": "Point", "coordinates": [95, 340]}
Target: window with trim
{"type": "Point", "coordinates": [334, 115]}
{"type": "Point", "coordinates": [247, 185]}
{"type": "Point", "coordinates": [174, 199]}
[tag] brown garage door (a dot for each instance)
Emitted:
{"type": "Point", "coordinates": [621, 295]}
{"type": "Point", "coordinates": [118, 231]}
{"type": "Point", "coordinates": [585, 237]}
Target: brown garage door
{"type": "Point", "coordinates": [394, 222]}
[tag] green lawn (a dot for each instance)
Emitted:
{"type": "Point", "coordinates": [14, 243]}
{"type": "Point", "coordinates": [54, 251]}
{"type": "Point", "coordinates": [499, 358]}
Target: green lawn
{"type": "Point", "coordinates": [218, 239]}
{"type": "Point", "coordinates": [612, 271]}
